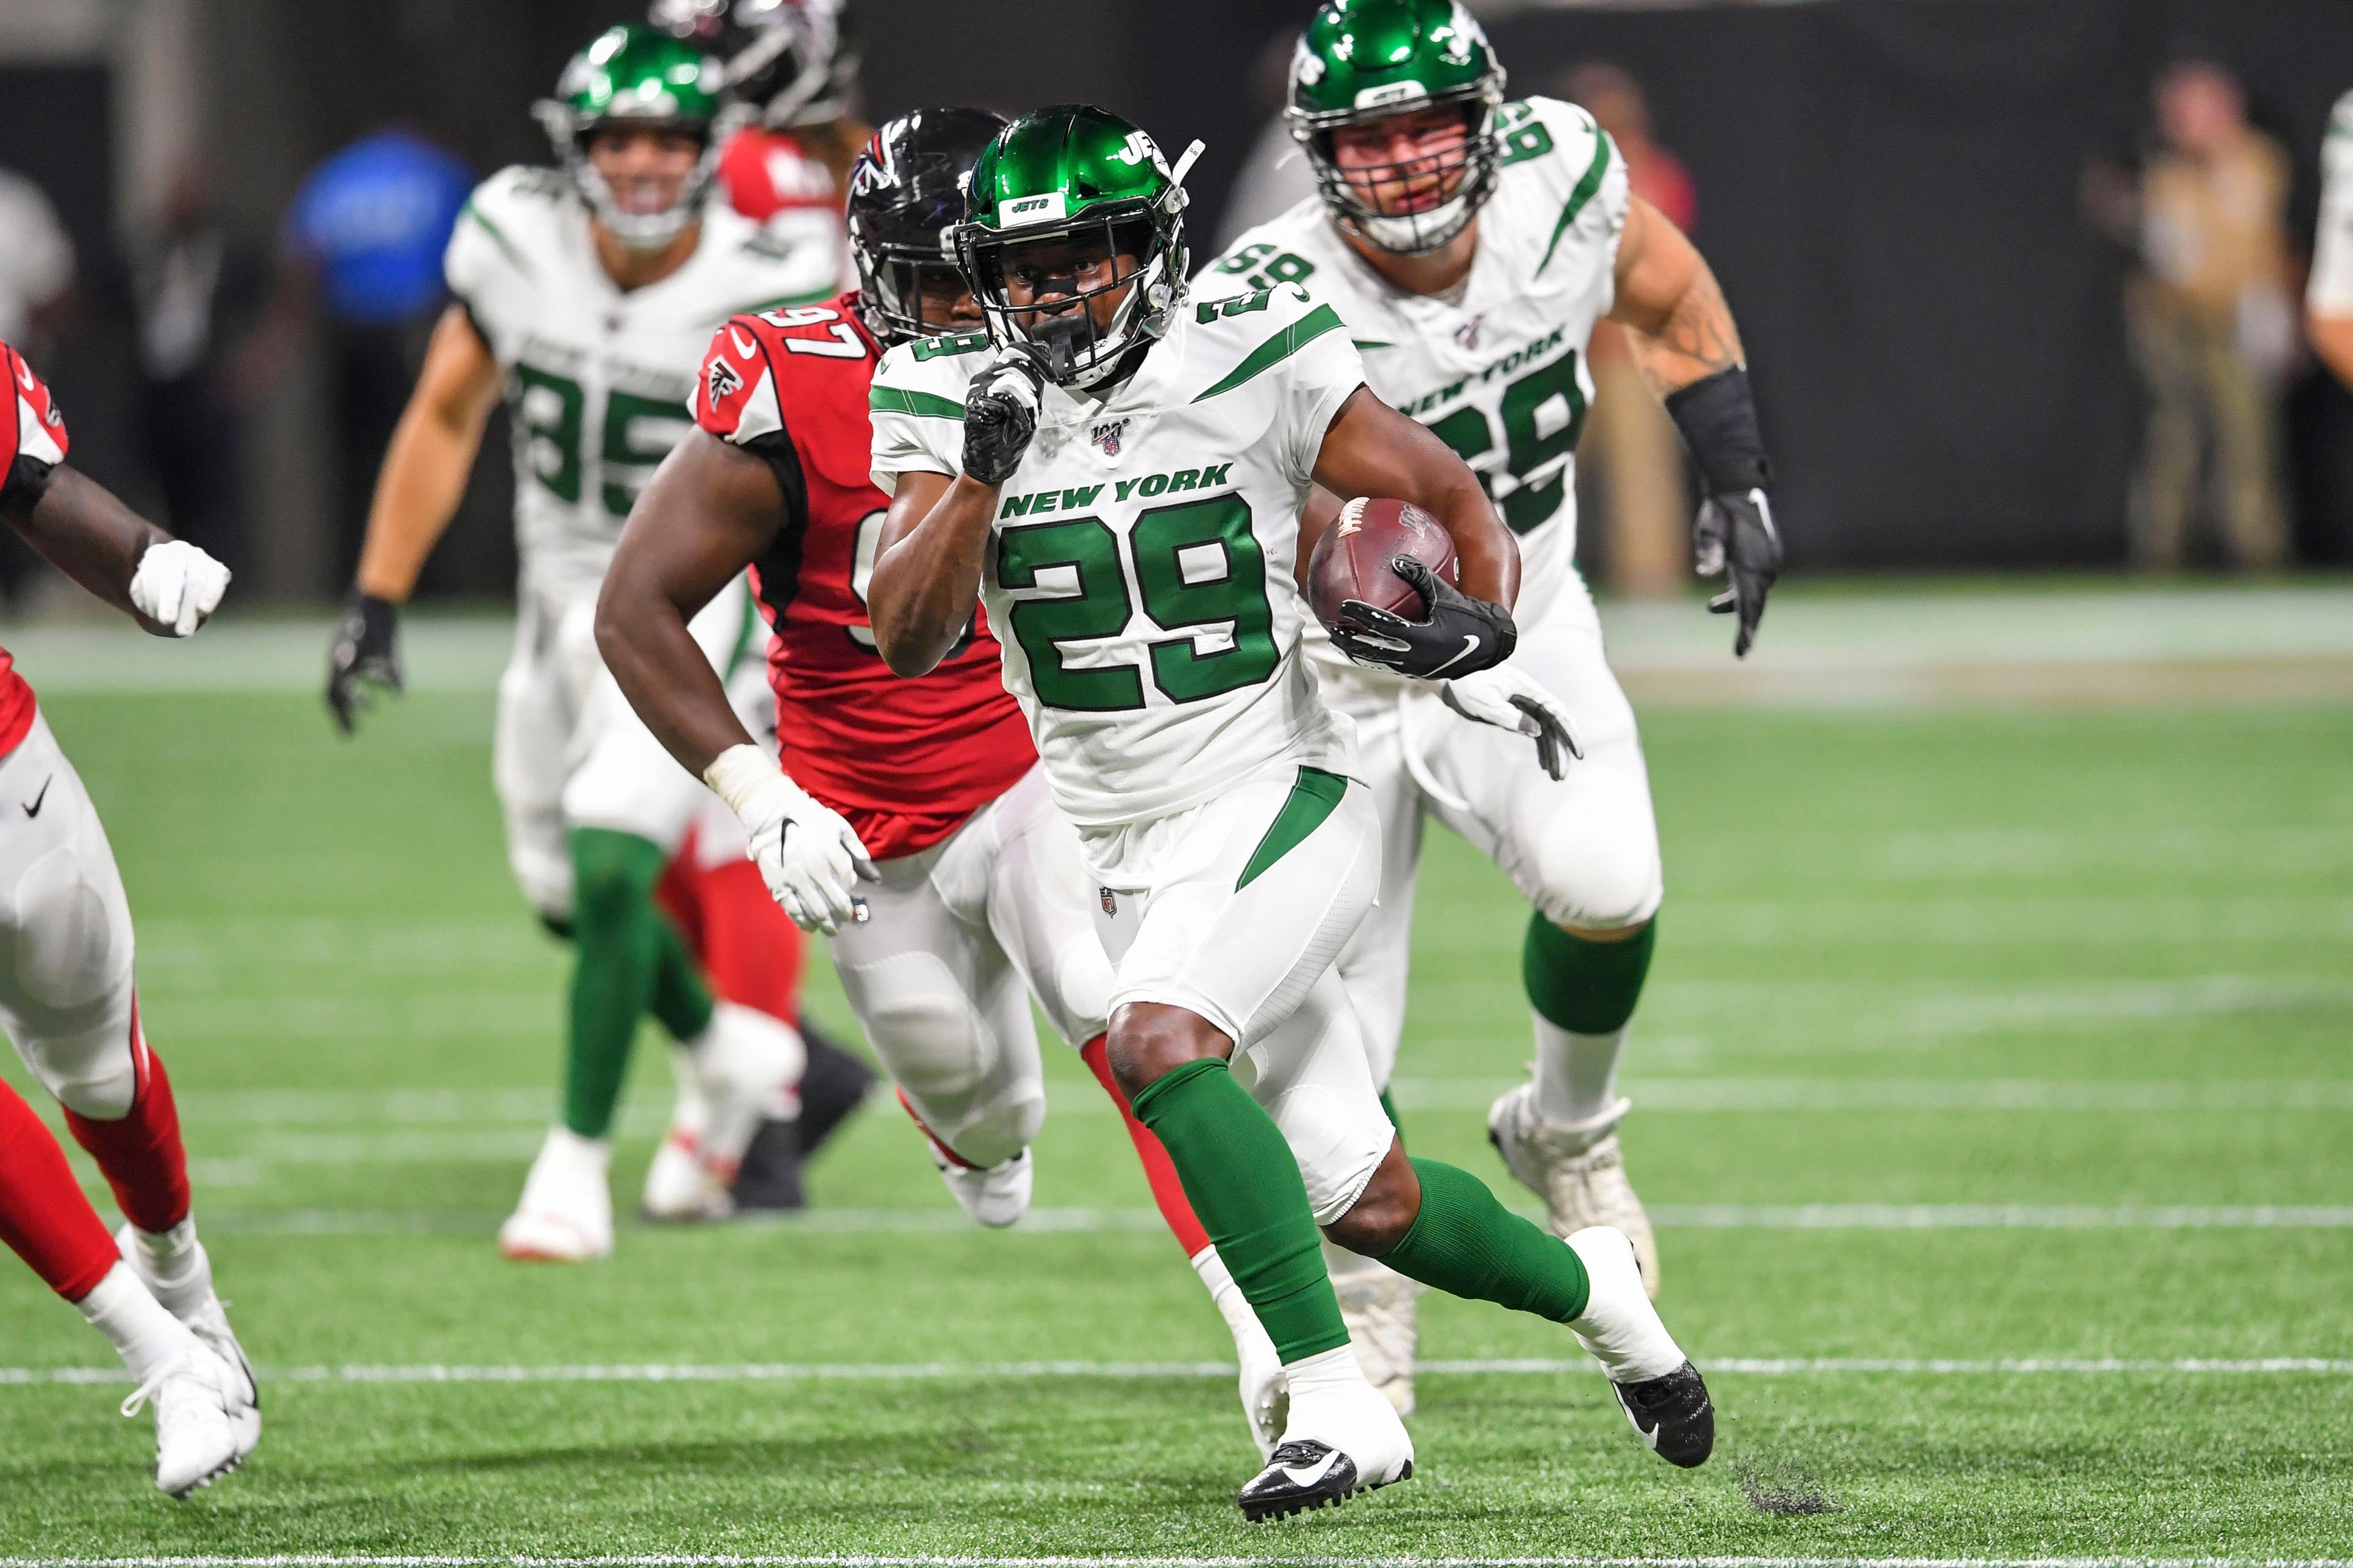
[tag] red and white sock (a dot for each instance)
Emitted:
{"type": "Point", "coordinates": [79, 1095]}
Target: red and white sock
{"type": "Point", "coordinates": [140, 1155]}
{"type": "Point", "coordinates": [44, 1217]}
{"type": "Point", "coordinates": [1168, 1192]}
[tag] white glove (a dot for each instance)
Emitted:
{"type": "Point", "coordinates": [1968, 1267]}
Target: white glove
{"type": "Point", "coordinates": [1504, 697]}
{"type": "Point", "coordinates": [808, 855]}
{"type": "Point", "coordinates": [178, 585]}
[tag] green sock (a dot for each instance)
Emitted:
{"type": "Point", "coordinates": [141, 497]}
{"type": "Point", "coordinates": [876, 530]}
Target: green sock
{"type": "Point", "coordinates": [1466, 1243]}
{"type": "Point", "coordinates": [1245, 1188]}
{"type": "Point", "coordinates": [1586, 987]}
{"type": "Point", "coordinates": [629, 960]}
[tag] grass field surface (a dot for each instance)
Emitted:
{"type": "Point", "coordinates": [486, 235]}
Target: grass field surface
{"type": "Point", "coordinates": [1994, 1088]}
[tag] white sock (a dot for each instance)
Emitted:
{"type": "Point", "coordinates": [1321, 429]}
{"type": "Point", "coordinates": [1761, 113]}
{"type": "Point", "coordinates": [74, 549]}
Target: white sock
{"type": "Point", "coordinates": [1232, 1305]}
{"type": "Point", "coordinates": [1577, 1075]}
{"type": "Point", "coordinates": [1324, 1375]}
{"type": "Point", "coordinates": [144, 1335]}
{"type": "Point", "coordinates": [170, 1256]}
{"type": "Point", "coordinates": [1618, 1325]}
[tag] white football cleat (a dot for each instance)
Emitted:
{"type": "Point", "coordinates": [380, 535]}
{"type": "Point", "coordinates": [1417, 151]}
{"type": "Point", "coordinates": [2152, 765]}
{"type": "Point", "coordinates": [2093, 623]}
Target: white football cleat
{"type": "Point", "coordinates": [743, 1063]}
{"type": "Point", "coordinates": [1576, 1169]}
{"type": "Point", "coordinates": [1343, 1438]}
{"type": "Point", "coordinates": [679, 1187]}
{"type": "Point", "coordinates": [1378, 1303]}
{"type": "Point", "coordinates": [190, 1298]}
{"type": "Point", "coordinates": [196, 1421]}
{"type": "Point", "coordinates": [565, 1215]}
{"type": "Point", "coordinates": [995, 1195]}
{"type": "Point", "coordinates": [1660, 1390]}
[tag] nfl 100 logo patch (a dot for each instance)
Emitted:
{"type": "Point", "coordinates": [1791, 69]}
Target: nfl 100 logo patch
{"type": "Point", "coordinates": [1107, 434]}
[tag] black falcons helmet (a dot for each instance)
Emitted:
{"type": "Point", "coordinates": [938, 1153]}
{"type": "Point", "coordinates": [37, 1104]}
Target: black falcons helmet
{"type": "Point", "coordinates": [906, 197]}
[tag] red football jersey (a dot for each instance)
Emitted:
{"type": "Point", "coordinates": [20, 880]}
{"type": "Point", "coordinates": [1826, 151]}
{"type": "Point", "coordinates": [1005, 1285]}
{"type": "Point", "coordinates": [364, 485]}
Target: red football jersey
{"type": "Point", "coordinates": [905, 762]}
{"type": "Point", "coordinates": [32, 442]}
{"type": "Point", "coordinates": [765, 172]}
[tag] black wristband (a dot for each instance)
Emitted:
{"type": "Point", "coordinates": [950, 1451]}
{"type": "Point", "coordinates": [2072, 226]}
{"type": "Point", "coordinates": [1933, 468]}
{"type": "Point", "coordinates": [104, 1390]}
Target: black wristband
{"type": "Point", "coordinates": [377, 616]}
{"type": "Point", "coordinates": [1718, 417]}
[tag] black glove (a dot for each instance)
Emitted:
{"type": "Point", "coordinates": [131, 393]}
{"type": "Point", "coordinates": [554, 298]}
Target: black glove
{"type": "Point", "coordinates": [1456, 636]}
{"type": "Point", "coordinates": [1001, 413]}
{"type": "Point", "coordinates": [1734, 534]}
{"type": "Point", "coordinates": [363, 650]}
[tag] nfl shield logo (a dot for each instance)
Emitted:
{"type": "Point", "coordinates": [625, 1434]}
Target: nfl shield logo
{"type": "Point", "coordinates": [1467, 334]}
{"type": "Point", "coordinates": [1110, 901]}
{"type": "Point", "coordinates": [1107, 438]}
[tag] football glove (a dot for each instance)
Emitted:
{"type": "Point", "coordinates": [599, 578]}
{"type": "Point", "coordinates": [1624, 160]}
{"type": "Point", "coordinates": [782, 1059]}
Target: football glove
{"type": "Point", "coordinates": [1457, 635]}
{"type": "Point", "coordinates": [1001, 412]}
{"type": "Point", "coordinates": [1734, 537]}
{"type": "Point", "coordinates": [1509, 700]}
{"type": "Point", "coordinates": [178, 586]}
{"type": "Point", "coordinates": [811, 858]}
{"type": "Point", "coordinates": [363, 651]}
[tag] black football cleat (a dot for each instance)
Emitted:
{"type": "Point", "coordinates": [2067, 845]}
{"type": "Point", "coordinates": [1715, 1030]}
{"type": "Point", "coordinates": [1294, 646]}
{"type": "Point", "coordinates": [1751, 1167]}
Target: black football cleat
{"type": "Point", "coordinates": [1674, 1414]}
{"type": "Point", "coordinates": [1304, 1475]}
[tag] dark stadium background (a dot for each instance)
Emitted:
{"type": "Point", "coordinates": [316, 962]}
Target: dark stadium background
{"type": "Point", "coordinates": [1889, 189]}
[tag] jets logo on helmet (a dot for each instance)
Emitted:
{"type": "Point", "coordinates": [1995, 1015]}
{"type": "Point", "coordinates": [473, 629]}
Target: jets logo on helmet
{"type": "Point", "coordinates": [1362, 61]}
{"type": "Point", "coordinates": [635, 76]}
{"type": "Point", "coordinates": [1066, 190]}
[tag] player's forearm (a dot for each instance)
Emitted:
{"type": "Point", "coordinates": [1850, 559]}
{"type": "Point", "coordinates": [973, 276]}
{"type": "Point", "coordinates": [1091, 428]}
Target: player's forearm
{"type": "Point", "coordinates": [80, 528]}
{"type": "Point", "coordinates": [1694, 339]}
{"type": "Point", "coordinates": [2332, 339]}
{"type": "Point", "coordinates": [1487, 558]}
{"type": "Point", "coordinates": [663, 671]}
{"type": "Point", "coordinates": [416, 494]}
{"type": "Point", "coordinates": [927, 579]}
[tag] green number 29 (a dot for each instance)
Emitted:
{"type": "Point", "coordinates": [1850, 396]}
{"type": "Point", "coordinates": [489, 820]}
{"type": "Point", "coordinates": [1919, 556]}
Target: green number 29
{"type": "Point", "coordinates": [1171, 547]}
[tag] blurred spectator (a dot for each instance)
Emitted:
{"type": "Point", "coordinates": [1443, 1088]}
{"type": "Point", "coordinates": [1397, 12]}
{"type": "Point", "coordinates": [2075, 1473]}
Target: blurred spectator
{"type": "Point", "coordinates": [1630, 442]}
{"type": "Point", "coordinates": [365, 241]}
{"type": "Point", "coordinates": [1274, 176]}
{"type": "Point", "coordinates": [195, 295]}
{"type": "Point", "coordinates": [2329, 300]}
{"type": "Point", "coordinates": [37, 268]}
{"type": "Point", "coordinates": [2211, 321]}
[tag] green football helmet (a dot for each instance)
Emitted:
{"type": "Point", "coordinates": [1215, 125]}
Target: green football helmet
{"type": "Point", "coordinates": [1364, 61]}
{"type": "Point", "coordinates": [1069, 180]}
{"type": "Point", "coordinates": [636, 74]}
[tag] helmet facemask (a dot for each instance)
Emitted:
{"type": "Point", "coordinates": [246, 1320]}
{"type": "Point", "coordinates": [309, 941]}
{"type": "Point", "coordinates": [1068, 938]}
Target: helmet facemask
{"type": "Point", "coordinates": [1400, 224]}
{"type": "Point", "coordinates": [1145, 258]}
{"type": "Point", "coordinates": [891, 280]}
{"type": "Point", "coordinates": [643, 230]}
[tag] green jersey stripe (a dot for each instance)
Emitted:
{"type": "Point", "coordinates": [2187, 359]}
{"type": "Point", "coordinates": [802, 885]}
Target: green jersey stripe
{"type": "Point", "coordinates": [921, 404]}
{"type": "Point", "coordinates": [1314, 796]}
{"type": "Point", "coordinates": [498, 237]}
{"type": "Point", "coordinates": [1278, 348]}
{"type": "Point", "coordinates": [1590, 183]}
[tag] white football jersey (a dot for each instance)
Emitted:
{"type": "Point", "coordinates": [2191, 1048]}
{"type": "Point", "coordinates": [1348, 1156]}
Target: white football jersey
{"type": "Point", "coordinates": [1498, 372]}
{"type": "Point", "coordinates": [1141, 576]}
{"type": "Point", "coordinates": [599, 381]}
{"type": "Point", "coordinates": [2330, 292]}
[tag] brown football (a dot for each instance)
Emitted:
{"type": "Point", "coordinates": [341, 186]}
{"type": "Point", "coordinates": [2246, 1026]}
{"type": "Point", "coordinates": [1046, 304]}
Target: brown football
{"type": "Point", "coordinates": [1352, 560]}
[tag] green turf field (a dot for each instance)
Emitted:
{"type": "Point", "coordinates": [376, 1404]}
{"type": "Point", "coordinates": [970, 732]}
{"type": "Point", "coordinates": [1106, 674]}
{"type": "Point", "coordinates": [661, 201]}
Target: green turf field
{"type": "Point", "coordinates": [1997, 1072]}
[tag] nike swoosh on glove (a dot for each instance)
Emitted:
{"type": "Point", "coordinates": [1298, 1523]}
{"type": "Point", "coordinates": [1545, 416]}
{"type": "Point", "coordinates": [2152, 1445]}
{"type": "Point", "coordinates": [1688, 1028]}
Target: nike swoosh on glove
{"type": "Point", "coordinates": [1734, 533]}
{"type": "Point", "coordinates": [1509, 700]}
{"type": "Point", "coordinates": [1001, 412]}
{"type": "Point", "coordinates": [178, 586]}
{"type": "Point", "coordinates": [1458, 635]}
{"type": "Point", "coordinates": [811, 858]}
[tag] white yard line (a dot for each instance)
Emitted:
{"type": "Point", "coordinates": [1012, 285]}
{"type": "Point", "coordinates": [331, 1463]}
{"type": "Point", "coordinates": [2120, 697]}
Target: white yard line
{"type": "Point", "coordinates": [322, 1559]}
{"type": "Point", "coordinates": [1673, 1216]}
{"type": "Point", "coordinates": [1136, 1372]}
